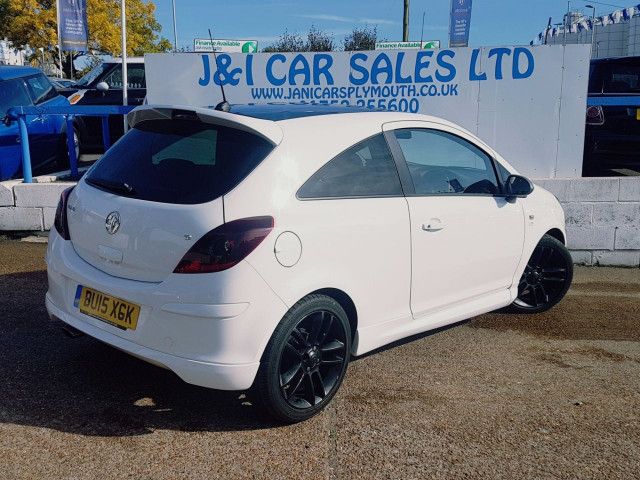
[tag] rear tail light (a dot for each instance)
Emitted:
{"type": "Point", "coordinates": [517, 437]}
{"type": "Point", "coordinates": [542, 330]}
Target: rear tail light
{"type": "Point", "coordinates": [595, 115]}
{"type": "Point", "coordinates": [225, 246]}
{"type": "Point", "coordinates": [60, 221]}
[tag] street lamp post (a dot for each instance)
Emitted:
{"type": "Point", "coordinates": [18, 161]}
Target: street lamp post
{"type": "Point", "coordinates": [58, 16]}
{"type": "Point", "coordinates": [405, 22]}
{"type": "Point", "coordinates": [125, 94]}
{"type": "Point", "coordinates": [175, 29]}
{"type": "Point", "coordinates": [593, 29]}
{"type": "Point", "coordinates": [567, 23]}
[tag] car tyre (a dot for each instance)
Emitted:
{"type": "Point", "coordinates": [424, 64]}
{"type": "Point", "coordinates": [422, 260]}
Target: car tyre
{"type": "Point", "coordinates": [305, 360]}
{"type": "Point", "coordinates": [546, 278]}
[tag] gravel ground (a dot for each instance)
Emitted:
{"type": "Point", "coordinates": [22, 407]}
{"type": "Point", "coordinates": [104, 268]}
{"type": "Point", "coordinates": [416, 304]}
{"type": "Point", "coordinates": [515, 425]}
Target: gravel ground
{"type": "Point", "coordinates": [547, 396]}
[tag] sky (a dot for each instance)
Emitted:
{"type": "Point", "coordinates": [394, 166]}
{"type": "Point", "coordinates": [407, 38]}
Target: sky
{"type": "Point", "coordinates": [493, 22]}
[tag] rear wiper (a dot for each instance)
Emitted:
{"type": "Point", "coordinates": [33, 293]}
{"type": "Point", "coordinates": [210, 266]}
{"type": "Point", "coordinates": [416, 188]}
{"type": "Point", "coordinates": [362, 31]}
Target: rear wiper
{"type": "Point", "coordinates": [117, 187]}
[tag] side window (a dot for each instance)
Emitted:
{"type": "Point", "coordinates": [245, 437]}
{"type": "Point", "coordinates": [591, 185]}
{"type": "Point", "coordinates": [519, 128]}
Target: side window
{"type": "Point", "coordinates": [442, 163]}
{"type": "Point", "coordinates": [135, 76]}
{"type": "Point", "coordinates": [504, 173]}
{"type": "Point", "coordinates": [365, 170]}
{"type": "Point", "coordinates": [40, 89]}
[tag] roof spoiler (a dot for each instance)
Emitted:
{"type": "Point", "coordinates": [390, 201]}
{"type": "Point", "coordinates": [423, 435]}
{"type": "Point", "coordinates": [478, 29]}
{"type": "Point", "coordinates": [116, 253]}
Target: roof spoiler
{"type": "Point", "coordinates": [265, 128]}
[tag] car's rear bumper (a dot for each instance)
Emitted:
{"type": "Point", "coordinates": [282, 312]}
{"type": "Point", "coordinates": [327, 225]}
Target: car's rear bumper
{"type": "Point", "coordinates": [206, 374]}
{"type": "Point", "coordinates": [210, 329]}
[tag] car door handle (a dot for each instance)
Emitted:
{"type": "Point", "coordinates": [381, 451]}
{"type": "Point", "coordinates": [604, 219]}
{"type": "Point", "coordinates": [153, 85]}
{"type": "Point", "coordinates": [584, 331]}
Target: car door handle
{"type": "Point", "coordinates": [433, 225]}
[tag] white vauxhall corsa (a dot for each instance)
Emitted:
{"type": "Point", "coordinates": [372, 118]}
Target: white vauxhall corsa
{"type": "Point", "coordinates": [265, 246]}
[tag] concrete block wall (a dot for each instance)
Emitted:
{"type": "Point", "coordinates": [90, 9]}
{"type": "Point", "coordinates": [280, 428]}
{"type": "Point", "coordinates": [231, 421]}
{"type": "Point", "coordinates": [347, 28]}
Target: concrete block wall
{"type": "Point", "coordinates": [29, 207]}
{"type": "Point", "coordinates": [602, 214]}
{"type": "Point", "coordinates": [603, 218]}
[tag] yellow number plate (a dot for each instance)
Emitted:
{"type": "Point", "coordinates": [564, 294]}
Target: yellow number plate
{"type": "Point", "coordinates": [107, 308]}
{"type": "Point", "coordinates": [638, 114]}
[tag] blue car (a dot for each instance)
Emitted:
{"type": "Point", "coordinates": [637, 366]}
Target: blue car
{"type": "Point", "coordinates": [23, 86]}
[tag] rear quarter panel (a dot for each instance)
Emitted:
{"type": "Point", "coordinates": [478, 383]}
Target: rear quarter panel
{"type": "Point", "coordinates": [360, 246]}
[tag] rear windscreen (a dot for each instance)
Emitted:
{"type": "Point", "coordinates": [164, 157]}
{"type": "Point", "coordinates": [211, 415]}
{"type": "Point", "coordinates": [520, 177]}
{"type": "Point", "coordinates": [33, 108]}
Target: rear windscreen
{"type": "Point", "coordinates": [615, 77]}
{"type": "Point", "coordinates": [623, 79]}
{"type": "Point", "coordinates": [178, 161]}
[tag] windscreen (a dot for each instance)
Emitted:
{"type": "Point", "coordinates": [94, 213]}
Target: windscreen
{"type": "Point", "coordinates": [178, 161]}
{"type": "Point", "coordinates": [93, 74]}
{"type": "Point", "coordinates": [12, 94]}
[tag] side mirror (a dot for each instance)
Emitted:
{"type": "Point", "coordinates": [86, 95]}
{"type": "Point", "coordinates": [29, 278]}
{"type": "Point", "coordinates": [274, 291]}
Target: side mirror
{"type": "Point", "coordinates": [102, 87]}
{"type": "Point", "coordinates": [518, 186]}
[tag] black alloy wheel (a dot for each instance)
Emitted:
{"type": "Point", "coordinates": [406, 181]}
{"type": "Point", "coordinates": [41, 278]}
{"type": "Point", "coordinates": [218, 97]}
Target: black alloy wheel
{"type": "Point", "coordinates": [546, 278]}
{"type": "Point", "coordinates": [306, 359]}
{"type": "Point", "coordinates": [312, 359]}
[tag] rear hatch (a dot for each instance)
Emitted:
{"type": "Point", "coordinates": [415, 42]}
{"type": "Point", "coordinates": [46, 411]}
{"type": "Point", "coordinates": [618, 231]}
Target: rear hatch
{"type": "Point", "coordinates": [159, 189]}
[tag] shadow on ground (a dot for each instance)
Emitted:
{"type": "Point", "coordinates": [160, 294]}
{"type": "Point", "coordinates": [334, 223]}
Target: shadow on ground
{"type": "Point", "coordinates": [85, 387]}
{"type": "Point", "coordinates": [582, 315]}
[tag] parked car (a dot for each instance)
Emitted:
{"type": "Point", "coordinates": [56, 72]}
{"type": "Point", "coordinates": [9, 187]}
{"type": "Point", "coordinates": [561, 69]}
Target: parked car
{"type": "Point", "coordinates": [103, 86]}
{"type": "Point", "coordinates": [27, 86]}
{"type": "Point", "coordinates": [265, 246]}
{"type": "Point", "coordinates": [612, 139]}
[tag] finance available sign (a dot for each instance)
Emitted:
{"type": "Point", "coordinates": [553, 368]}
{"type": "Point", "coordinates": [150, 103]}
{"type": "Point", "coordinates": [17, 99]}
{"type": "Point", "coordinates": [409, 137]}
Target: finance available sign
{"type": "Point", "coordinates": [430, 44]}
{"type": "Point", "coordinates": [221, 45]}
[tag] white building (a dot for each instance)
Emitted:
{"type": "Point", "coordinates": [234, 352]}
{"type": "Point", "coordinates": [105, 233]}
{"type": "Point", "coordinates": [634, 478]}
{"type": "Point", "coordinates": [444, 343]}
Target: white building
{"type": "Point", "coordinates": [9, 55]}
{"type": "Point", "coordinates": [616, 34]}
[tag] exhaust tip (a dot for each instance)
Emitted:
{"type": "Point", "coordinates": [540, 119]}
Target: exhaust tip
{"type": "Point", "coordinates": [70, 331]}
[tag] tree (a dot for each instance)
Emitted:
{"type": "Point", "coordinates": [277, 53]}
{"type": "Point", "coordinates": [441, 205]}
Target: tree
{"type": "Point", "coordinates": [288, 42]}
{"type": "Point", "coordinates": [364, 38]}
{"type": "Point", "coordinates": [317, 41]}
{"type": "Point", "coordinates": [4, 17]}
{"type": "Point", "coordinates": [33, 23]}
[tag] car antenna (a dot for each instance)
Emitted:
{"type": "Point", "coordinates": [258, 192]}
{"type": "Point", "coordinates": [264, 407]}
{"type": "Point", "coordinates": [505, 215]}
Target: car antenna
{"type": "Point", "coordinates": [223, 106]}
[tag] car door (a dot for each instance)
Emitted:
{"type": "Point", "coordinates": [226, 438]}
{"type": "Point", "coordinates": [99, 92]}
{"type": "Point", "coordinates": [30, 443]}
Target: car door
{"type": "Point", "coordinates": [13, 93]}
{"type": "Point", "coordinates": [44, 133]}
{"type": "Point", "coordinates": [466, 237]}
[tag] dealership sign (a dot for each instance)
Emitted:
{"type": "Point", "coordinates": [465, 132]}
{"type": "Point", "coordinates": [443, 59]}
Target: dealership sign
{"type": "Point", "coordinates": [460, 23]}
{"type": "Point", "coordinates": [410, 45]}
{"type": "Point", "coordinates": [229, 46]}
{"type": "Point", "coordinates": [527, 102]}
{"type": "Point", "coordinates": [72, 25]}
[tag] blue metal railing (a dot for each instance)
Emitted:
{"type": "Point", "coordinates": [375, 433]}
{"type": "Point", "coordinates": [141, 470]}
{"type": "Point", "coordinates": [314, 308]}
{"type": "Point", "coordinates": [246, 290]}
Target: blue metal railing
{"type": "Point", "coordinates": [69, 112]}
{"type": "Point", "coordinates": [613, 101]}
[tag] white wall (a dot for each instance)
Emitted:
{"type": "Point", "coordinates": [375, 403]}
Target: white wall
{"type": "Point", "coordinates": [536, 122]}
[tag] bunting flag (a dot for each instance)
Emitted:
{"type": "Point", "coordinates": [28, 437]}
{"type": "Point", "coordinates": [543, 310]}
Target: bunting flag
{"type": "Point", "coordinates": [586, 24]}
{"type": "Point", "coordinates": [617, 16]}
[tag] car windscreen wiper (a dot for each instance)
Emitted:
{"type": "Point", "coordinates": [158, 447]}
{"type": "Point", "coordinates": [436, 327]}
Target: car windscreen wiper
{"type": "Point", "coordinates": [115, 187]}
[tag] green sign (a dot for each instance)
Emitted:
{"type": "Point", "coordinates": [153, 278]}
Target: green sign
{"type": "Point", "coordinates": [220, 45]}
{"type": "Point", "coordinates": [428, 45]}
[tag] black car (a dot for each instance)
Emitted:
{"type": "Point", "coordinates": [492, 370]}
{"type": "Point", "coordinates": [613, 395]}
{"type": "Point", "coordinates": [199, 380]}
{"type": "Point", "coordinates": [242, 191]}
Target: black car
{"type": "Point", "coordinates": [103, 86]}
{"type": "Point", "coordinates": [612, 139]}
